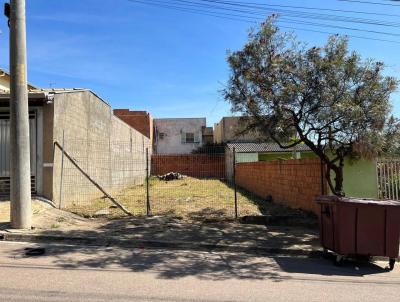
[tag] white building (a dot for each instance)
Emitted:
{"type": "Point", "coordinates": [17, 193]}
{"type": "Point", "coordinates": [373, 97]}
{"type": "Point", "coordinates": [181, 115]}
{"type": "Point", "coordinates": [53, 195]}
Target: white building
{"type": "Point", "coordinates": [178, 135]}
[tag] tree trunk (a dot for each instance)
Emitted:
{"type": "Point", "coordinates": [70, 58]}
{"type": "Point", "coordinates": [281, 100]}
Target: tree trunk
{"type": "Point", "coordinates": [339, 179]}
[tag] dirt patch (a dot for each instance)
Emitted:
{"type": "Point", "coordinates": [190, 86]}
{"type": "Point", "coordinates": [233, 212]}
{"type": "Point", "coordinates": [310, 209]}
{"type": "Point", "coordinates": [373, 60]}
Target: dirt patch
{"type": "Point", "coordinates": [37, 208]}
{"type": "Point", "coordinates": [45, 217]}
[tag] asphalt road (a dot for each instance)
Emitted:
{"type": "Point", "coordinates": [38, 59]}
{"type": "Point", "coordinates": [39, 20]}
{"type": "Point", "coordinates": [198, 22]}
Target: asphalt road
{"type": "Point", "coordinates": [76, 273]}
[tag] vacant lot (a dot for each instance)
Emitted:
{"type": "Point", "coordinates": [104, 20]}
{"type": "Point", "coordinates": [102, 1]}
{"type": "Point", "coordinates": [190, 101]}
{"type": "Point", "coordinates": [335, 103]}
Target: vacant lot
{"type": "Point", "coordinates": [188, 198]}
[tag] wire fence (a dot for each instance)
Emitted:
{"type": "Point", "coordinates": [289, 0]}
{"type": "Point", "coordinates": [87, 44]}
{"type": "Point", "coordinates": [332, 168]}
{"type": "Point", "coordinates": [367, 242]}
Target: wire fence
{"type": "Point", "coordinates": [198, 189]}
{"type": "Point", "coordinates": [388, 174]}
{"type": "Point", "coordinates": [87, 173]}
{"type": "Point", "coordinates": [109, 178]}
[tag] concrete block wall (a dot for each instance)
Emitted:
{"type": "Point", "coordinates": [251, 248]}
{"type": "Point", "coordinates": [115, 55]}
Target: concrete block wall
{"type": "Point", "coordinates": [228, 164]}
{"type": "Point", "coordinates": [47, 171]}
{"type": "Point", "coordinates": [71, 116]}
{"type": "Point", "coordinates": [294, 183]}
{"type": "Point", "coordinates": [128, 155]}
{"type": "Point", "coordinates": [109, 150]}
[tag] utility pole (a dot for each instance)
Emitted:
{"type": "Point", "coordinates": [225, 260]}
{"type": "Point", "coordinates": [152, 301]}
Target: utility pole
{"type": "Point", "coordinates": [21, 211]}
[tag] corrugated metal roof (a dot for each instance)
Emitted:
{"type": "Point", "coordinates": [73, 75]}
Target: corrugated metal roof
{"type": "Point", "coordinates": [33, 92]}
{"type": "Point", "coordinates": [59, 90]}
{"type": "Point", "coordinates": [48, 92]}
{"type": "Point", "coordinates": [263, 147]}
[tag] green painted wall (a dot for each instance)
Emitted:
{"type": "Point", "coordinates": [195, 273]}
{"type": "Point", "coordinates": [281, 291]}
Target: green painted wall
{"type": "Point", "coordinates": [360, 179]}
{"type": "Point", "coordinates": [308, 155]}
{"type": "Point", "coordinates": [246, 157]}
{"type": "Point", "coordinates": [283, 156]}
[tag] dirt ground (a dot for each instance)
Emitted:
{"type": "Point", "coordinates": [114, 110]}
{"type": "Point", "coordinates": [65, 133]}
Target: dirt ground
{"type": "Point", "coordinates": [54, 222]}
{"type": "Point", "coordinates": [188, 198]}
{"type": "Point", "coordinates": [37, 208]}
{"type": "Point", "coordinates": [45, 217]}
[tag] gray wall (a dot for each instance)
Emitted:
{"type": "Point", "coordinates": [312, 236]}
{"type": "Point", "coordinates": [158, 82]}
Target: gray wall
{"type": "Point", "coordinates": [110, 151]}
{"type": "Point", "coordinates": [240, 158]}
{"type": "Point", "coordinates": [173, 129]}
{"type": "Point", "coordinates": [228, 164]}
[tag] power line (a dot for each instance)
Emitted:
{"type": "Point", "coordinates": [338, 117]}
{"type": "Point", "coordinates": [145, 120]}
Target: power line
{"type": "Point", "coordinates": [258, 4]}
{"type": "Point", "coordinates": [370, 2]}
{"type": "Point", "coordinates": [248, 19]}
{"type": "Point", "coordinates": [347, 35]}
{"type": "Point", "coordinates": [199, 12]}
{"type": "Point", "coordinates": [245, 8]}
{"type": "Point", "coordinates": [340, 27]}
{"type": "Point", "coordinates": [250, 15]}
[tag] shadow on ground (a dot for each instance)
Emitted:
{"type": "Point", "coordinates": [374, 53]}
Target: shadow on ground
{"type": "Point", "coordinates": [204, 264]}
{"type": "Point", "coordinates": [168, 229]}
{"type": "Point", "coordinates": [211, 265]}
{"type": "Point", "coordinates": [5, 225]}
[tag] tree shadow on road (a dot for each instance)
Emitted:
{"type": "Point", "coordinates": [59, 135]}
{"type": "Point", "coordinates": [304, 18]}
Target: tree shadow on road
{"type": "Point", "coordinates": [204, 263]}
{"type": "Point", "coordinates": [325, 267]}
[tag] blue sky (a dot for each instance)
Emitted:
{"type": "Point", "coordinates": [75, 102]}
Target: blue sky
{"type": "Point", "coordinates": [168, 62]}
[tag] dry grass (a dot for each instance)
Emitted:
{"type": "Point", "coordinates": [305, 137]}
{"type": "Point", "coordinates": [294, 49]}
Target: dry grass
{"type": "Point", "coordinates": [188, 198]}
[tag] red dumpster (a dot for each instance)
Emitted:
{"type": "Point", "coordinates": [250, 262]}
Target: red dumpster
{"type": "Point", "coordinates": [360, 227]}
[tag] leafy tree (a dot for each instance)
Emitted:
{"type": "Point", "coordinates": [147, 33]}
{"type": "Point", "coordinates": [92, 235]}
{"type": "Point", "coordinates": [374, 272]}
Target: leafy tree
{"type": "Point", "coordinates": [325, 97]}
{"type": "Point", "coordinates": [391, 145]}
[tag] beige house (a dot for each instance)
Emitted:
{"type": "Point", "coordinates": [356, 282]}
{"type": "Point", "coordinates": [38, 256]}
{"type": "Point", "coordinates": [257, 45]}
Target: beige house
{"type": "Point", "coordinates": [208, 135]}
{"type": "Point", "coordinates": [178, 135]}
{"type": "Point", "coordinates": [5, 82]}
{"type": "Point", "coordinates": [232, 129]}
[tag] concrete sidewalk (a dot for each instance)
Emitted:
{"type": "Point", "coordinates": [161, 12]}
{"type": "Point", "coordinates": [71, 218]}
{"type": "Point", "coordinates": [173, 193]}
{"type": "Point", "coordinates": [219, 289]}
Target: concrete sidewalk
{"type": "Point", "coordinates": [168, 232]}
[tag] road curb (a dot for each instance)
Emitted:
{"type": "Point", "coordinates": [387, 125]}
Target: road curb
{"type": "Point", "coordinates": [138, 243]}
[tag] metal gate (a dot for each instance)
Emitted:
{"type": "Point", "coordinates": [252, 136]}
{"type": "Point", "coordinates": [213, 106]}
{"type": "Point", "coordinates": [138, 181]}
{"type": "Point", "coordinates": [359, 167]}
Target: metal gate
{"type": "Point", "coordinates": [388, 173]}
{"type": "Point", "coordinates": [5, 151]}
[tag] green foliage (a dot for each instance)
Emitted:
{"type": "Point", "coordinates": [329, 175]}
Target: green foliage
{"type": "Point", "coordinates": [391, 144]}
{"type": "Point", "coordinates": [332, 99]}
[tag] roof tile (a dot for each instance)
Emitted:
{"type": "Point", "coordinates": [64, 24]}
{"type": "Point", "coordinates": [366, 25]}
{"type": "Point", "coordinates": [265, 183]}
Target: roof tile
{"type": "Point", "coordinates": [264, 147]}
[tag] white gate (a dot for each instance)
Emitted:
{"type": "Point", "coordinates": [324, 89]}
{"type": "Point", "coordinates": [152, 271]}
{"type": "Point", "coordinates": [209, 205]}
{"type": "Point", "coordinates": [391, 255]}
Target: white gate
{"type": "Point", "coordinates": [5, 151]}
{"type": "Point", "coordinates": [388, 172]}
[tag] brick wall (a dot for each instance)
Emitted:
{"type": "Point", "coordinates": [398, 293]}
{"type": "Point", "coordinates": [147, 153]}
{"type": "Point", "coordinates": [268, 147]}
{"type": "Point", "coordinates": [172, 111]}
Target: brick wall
{"type": "Point", "coordinates": [295, 183]}
{"type": "Point", "coordinates": [195, 165]}
{"type": "Point", "coordinates": [140, 120]}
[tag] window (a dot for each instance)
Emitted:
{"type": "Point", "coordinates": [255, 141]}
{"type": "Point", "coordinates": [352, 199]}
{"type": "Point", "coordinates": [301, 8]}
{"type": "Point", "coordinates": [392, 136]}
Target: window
{"type": "Point", "coordinates": [189, 138]}
{"type": "Point", "coordinates": [161, 135]}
